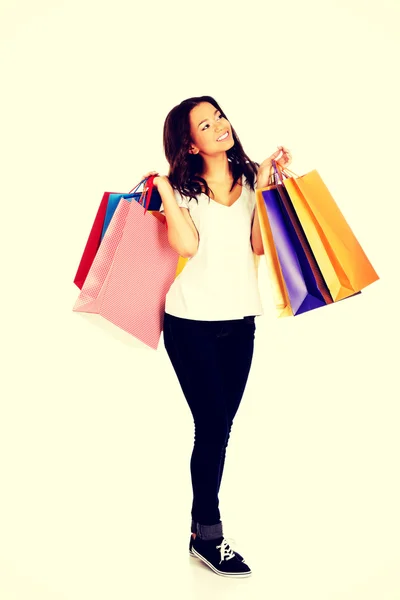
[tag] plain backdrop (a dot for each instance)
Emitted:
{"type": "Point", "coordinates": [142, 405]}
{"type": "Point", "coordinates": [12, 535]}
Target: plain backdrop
{"type": "Point", "coordinates": [95, 433]}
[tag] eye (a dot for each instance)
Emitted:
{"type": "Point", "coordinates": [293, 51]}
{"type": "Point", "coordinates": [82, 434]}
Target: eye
{"type": "Point", "coordinates": [219, 117]}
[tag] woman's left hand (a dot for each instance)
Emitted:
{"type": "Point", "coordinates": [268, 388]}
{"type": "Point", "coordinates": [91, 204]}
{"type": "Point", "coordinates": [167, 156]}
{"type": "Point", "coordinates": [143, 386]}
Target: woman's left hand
{"type": "Point", "coordinates": [265, 167]}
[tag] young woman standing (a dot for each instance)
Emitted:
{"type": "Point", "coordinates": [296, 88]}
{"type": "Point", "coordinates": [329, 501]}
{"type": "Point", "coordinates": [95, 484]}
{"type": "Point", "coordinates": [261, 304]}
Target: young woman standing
{"type": "Point", "coordinates": [208, 199]}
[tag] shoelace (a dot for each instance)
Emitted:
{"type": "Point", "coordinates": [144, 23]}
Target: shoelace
{"type": "Point", "coordinates": [226, 551]}
{"type": "Point", "coordinates": [231, 540]}
{"type": "Point", "coordinates": [226, 540]}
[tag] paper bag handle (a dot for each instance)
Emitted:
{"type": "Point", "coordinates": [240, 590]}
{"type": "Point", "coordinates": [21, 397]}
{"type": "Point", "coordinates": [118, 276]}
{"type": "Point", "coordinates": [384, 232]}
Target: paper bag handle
{"type": "Point", "coordinates": [283, 170]}
{"type": "Point", "coordinates": [146, 192]}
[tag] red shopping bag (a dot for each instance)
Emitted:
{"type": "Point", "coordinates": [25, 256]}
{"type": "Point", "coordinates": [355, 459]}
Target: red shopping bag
{"type": "Point", "coordinates": [92, 243]}
{"type": "Point", "coordinates": [131, 274]}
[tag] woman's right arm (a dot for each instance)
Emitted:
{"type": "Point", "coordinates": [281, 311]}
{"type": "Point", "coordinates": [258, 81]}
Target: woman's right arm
{"type": "Point", "coordinates": [182, 233]}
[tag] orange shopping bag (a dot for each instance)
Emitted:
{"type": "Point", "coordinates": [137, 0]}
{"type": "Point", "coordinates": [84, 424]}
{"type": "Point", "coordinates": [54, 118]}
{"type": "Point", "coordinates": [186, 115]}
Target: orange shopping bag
{"type": "Point", "coordinates": [343, 263]}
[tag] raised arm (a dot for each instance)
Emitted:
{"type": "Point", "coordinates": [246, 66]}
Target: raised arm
{"type": "Point", "coordinates": [182, 233]}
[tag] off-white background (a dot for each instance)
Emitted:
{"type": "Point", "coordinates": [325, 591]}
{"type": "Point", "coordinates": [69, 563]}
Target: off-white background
{"type": "Point", "coordinates": [96, 435]}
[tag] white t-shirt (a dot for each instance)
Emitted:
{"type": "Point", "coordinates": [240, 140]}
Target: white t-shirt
{"type": "Point", "coordinates": [220, 281]}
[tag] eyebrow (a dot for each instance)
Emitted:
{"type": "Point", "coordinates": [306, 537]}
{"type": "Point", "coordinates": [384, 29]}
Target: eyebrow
{"type": "Point", "coordinates": [215, 111]}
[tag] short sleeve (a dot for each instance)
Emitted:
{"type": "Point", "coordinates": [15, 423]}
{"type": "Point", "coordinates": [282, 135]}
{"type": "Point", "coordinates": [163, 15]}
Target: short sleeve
{"type": "Point", "coordinates": [182, 201]}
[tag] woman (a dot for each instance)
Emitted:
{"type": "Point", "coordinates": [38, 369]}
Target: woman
{"type": "Point", "coordinates": [208, 200]}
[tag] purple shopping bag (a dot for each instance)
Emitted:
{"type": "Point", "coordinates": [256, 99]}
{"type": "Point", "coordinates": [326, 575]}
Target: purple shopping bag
{"type": "Point", "coordinates": [301, 284]}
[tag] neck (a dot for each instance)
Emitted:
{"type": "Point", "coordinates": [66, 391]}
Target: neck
{"type": "Point", "coordinates": [216, 169]}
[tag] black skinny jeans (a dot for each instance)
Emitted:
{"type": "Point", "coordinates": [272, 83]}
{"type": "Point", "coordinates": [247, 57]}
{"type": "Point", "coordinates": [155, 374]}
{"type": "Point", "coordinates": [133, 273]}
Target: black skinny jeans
{"type": "Point", "coordinates": [212, 360]}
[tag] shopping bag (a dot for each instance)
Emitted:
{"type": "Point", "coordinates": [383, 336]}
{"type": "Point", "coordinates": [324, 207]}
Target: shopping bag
{"type": "Point", "coordinates": [107, 207]}
{"type": "Point", "coordinates": [140, 197]}
{"type": "Point", "coordinates": [279, 291]}
{"type": "Point", "coordinates": [290, 214]}
{"type": "Point", "coordinates": [92, 243]}
{"type": "Point", "coordinates": [131, 274]}
{"type": "Point", "coordinates": [300, 281]}
{"type": "Point", "coordinates": [343, 263]}
{"type": "Point", "coordinates": [114, 198]}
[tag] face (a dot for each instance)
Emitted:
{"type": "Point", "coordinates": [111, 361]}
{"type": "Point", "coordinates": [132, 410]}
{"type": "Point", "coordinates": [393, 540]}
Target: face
{"type": "Point", "coordinates": [206, 125]}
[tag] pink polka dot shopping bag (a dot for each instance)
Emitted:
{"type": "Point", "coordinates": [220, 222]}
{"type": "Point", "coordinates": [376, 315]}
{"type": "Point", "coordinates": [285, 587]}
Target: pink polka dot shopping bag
{"type": "Point", "coordinates": [131, 272]}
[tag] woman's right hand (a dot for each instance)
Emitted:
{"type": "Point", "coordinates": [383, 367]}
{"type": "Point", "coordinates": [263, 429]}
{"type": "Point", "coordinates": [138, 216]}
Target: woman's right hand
{"type": "Point", "coordinates": [157, 180]}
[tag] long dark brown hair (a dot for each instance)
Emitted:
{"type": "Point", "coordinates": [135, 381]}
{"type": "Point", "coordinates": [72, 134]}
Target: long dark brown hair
{"type": "Point", "coordinates": [184, 167]}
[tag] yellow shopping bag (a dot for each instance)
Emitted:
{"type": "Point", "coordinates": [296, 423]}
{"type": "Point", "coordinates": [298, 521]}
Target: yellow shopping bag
{"type": "Point", "coordinates": [279, 291]}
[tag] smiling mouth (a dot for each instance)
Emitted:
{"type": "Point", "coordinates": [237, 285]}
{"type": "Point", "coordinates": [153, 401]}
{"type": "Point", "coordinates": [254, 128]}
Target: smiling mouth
{"type": "Point", "coordinates": [224, 137]}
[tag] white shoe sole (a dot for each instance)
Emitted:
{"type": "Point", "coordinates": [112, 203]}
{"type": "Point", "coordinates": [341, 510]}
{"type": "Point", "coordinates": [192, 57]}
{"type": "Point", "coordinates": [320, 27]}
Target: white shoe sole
{"type": "Point", "coordinates": [205, 561]}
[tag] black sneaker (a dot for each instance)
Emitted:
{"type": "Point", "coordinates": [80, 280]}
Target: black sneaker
{"type": "Point", "coordinates": [240, 557]}
{"type": "Point", "coordinates": [218, 555]}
